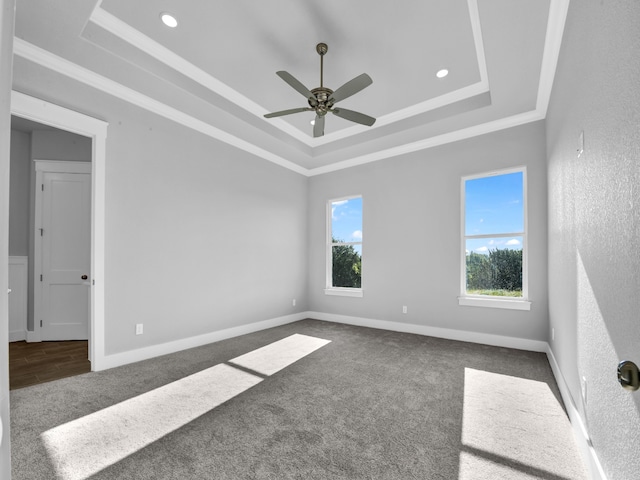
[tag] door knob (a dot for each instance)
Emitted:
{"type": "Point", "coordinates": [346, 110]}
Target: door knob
{"type": "Point", "coordinates": [628, 375]}
{"type": "Point", "coordinates": [84, 277]}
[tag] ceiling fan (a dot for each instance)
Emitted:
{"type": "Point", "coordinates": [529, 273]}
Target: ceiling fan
{"type": "Point", "coordinates": [321, 100]}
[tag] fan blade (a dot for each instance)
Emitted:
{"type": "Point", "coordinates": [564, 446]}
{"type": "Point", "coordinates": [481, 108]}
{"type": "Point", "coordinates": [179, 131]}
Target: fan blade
{"type": "Point", "coordinates": [318, 126]}
{"type": "Point", "coordinates": [287, 112]}
{"type": "Point", "coordinates": [352, 116]}
{"type": "Point", "coordinates": [298, 86]}
{"type": "Point", "coordinates": [351, 87]}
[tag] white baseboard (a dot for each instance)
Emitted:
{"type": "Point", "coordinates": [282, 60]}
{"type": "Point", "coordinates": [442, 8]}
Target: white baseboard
{"type": "Point", "coordinates": [581, 434]}
{"type": "Point", "coordinates": [124, 358]}
{"type": "Point", "coordinates": [17, 336]}
{"type": "Point", "coordinates": [119, 359]}
{"type": "Point", "coordinates": [33, 336]}
{"type": "Point", "coordinates": [447, 333]}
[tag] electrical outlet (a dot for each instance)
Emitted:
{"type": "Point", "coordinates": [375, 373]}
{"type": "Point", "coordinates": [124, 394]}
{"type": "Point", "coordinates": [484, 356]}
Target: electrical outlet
{"type": "Point", "coordinates": [138, 329]}
{"type": "Point", "coordinates": [404, 309]}
{"type": "Point", "coordinates": [293, 302]}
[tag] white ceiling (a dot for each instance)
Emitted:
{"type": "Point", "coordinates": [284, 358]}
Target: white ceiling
{"type": "Point", "coordinates": [216, 71]}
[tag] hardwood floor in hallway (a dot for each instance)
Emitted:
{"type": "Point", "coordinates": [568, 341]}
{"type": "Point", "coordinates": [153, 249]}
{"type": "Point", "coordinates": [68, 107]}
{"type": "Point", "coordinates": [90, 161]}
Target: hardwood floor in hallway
{"type": "Point", "coordinates": [39, 362]}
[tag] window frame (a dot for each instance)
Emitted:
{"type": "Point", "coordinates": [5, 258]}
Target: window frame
{"type": "Point", "coordinates": [329, 288]}
{"type": "Point", "coordinates": [515, 303]}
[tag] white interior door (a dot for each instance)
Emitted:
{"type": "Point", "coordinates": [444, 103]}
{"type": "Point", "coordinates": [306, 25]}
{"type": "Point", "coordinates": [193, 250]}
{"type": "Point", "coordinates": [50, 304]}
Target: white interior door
{"type": "Point", "coordinates": [66, 255]}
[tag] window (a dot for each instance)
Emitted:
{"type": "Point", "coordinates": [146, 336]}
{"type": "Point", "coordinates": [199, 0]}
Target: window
{"type": "Point", "coordinates": [344, 247]}
{"type": "Point", "coordinates": [494, 240]}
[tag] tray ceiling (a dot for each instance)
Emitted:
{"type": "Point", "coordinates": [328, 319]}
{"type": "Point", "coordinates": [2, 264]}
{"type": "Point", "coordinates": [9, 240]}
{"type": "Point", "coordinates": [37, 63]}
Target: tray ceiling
{"type": "Point", "coordinates": [216, 70]}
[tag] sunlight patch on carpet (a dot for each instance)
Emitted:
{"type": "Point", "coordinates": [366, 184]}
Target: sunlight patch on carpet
{"type": "Point", "coordinates": [83, 447]}
{"type": "Point", "coordinates": [274, 357]}
{"type": "Point", "coordinates": [515, 428]}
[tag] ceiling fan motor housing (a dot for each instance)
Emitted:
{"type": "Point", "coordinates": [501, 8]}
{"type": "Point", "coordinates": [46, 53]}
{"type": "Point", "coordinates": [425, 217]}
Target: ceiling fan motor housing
{"type": "Point", "coordinates": [322, 95]}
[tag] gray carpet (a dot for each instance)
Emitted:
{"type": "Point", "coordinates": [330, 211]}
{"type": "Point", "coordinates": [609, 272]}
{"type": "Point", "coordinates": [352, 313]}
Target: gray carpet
{"type": "Point", "coordinates": [370, 404]}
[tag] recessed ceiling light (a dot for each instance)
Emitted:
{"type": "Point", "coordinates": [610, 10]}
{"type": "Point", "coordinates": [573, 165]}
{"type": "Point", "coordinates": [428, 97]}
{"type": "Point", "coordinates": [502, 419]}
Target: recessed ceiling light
{"type": "Point", "coordinates": [169, 20]}
{"type": "Point", "coordinates": [442, 73]}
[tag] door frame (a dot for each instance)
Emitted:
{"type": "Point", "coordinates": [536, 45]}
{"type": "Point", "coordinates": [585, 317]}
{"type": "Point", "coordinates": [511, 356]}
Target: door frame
{"type": "Point", "coordinates": [42, 167]}
{"type": "Point", "coordinates": [56, 116]}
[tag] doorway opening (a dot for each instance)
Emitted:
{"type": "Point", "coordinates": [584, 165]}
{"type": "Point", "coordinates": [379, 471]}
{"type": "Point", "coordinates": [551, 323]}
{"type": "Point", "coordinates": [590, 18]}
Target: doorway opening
{"type": "Point", "coordinates": [49, 252]}
{"type": "Point", "coordinates": [89, 134]}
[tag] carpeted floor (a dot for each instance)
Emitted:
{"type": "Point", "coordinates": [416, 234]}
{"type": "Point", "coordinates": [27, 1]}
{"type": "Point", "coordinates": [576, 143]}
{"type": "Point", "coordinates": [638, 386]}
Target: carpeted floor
{"type": "Point", "coordinates": [369, 404]}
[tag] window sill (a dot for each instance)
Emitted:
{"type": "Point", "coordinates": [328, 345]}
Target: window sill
{"type": "Point", "coordinates": [344, 292]}
{"type": "Point", "coordinates": [495, 302]}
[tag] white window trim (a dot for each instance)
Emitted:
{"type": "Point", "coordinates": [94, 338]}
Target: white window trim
{"type": "Point", "coordinates": [520, 303]}
{"type": "Point", "coordinates": [494, 302]}
{"type": "Point", "coordinates": [329, 288]}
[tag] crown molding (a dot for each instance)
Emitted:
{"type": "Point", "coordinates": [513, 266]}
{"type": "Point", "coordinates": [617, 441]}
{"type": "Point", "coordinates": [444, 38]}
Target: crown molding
{"type": "Point", "coordinates": [455, 136]}
{"type": "Point", "coordinates": [125, 32]}
{"type": "Point", "coordinates": [555, 27]}
{"type": "Point", "coordinates": [62, 66]}
{"type": "Point", "coordinates": [558, 10]}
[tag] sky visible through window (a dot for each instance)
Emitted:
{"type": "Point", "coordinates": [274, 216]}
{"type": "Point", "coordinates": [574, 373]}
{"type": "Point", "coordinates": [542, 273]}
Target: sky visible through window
{"type": "Point", "coordinates": [494, 205]}
{"type": "Point", "coordinates": [346, 220]}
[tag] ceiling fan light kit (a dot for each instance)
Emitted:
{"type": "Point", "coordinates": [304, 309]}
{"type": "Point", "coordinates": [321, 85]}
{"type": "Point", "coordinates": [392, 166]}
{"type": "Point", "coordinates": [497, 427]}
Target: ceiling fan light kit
{"type": "Point", "coordinates": [322, 99]}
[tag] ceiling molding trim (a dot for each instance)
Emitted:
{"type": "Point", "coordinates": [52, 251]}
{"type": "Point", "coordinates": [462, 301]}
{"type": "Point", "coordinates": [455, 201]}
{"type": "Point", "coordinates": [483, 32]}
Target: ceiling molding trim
{"type": "Point", "coordinates": [558, 10]}
{"type": "Point", "coordinates": [127, 33]}
{"type": "Point", "coordinates": [134, 37]}
{"type": "Point", "coordinates": [463, 134]}
{"type": "Point", "coordinates": [474, 15]}
{"type": "Point", "coordinates": [62, 66]}
{"type": "Point", "coordinates": [428, 105]}
{"type": "Point", "coordinates": [433, 103]}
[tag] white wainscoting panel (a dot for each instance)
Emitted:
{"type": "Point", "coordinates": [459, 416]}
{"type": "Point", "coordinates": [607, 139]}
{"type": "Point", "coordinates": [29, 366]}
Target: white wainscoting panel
{"type": "Point", "coordinates": [18, 278]}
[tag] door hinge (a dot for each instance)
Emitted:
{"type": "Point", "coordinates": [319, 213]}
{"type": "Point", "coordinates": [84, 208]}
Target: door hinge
{"type": "Point", "coordinates": [40, 277]}
{"type": "Point", "coordinates": [40, 323]}
{"type": "Point", "coordinates": [42, 232]}
{"type": "Point", "coordinates": [42, 187]}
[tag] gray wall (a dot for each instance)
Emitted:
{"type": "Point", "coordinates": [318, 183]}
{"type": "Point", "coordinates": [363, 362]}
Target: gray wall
{"type": "Point", "coordinates": [59, 145]}
{"type": "Point", "coordinates": [7, 11]}
{"type": "Point", "coordinates": [199, 236]}
{"type": "Point", "coordinates": [594, 222]}
{"type": "Point", "coordinates": [411, 226]}
{"type": "Point", "coordinates": [20, 189]}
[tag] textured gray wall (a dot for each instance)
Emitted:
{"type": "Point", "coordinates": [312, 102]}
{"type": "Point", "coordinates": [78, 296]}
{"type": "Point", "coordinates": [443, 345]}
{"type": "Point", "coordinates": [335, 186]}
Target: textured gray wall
{"type": "Point", "coordinates": [411, 224]}
{"type": "Point", "coordinates": [594, 222]}
{"type": "Point", "coordinates": [199, 236]}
